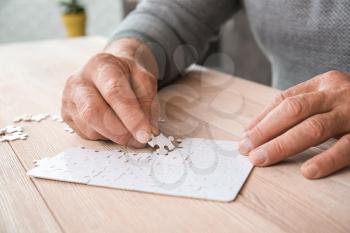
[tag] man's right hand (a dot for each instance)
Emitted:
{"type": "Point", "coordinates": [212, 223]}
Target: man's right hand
{"type": "Point", "coordinates": [112, 97]}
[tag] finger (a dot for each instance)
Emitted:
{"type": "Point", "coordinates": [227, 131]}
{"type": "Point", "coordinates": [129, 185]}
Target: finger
{"type": "Point", "coordinates": [301, 88]}
{"type": "Point", "coordinates": [85, 131]}
{"type": "Point", "coordinates": [287, 114]}
{"type": "Point", "coordinates": [119, 134]}
{"type": "Point", "coordinates": [113, 84]}
{"type": "Point", "coordinates": [310, 132]}
{"type": "Point", "coordinates": [67, 110]}
{"type": "Point", "coordinates": [98, 115]}
{"type": "Point", "coordinates": [69, 121]}
{"type": "Point", "coordinates": [144, 85]}
{"type": "Point", "coordinates": [329, 161]}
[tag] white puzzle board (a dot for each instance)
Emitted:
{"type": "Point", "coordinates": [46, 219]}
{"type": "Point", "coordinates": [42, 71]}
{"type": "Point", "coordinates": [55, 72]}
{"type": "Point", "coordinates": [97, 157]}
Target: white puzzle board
{"type": "Point", "coordinates": [198, 168]}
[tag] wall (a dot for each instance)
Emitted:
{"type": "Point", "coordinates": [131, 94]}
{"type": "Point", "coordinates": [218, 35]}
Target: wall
{"type": "Point", "coordinates": [27, 20]}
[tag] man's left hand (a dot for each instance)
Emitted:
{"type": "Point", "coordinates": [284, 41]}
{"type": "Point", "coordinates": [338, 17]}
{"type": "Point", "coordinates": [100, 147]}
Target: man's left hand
{"type": "Point", "coordinates": [301, 117]}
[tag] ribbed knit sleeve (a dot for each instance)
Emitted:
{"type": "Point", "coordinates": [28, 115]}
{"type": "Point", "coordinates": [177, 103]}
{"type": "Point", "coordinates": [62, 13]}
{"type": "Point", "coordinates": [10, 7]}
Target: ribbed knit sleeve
{"type": "Point", "coordinates": [177, 31]}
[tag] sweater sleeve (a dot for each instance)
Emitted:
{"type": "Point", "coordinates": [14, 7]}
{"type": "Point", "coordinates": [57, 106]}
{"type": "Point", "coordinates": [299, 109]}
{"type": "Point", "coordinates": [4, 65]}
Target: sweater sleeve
{"type": "Point", "coordinates": [178, 32]}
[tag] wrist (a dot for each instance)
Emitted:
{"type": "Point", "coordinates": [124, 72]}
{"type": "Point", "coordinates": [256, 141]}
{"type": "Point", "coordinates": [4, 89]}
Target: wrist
{"type": "Point", "coordinates": [135, 50]}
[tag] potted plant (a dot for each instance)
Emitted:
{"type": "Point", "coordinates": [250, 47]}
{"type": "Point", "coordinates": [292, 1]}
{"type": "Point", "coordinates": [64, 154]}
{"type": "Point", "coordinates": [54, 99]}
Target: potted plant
{"type": "Point", "coordinates": [73, 17]}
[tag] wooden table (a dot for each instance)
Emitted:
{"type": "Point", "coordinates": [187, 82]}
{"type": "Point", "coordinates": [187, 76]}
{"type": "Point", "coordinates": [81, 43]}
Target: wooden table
{"type": "Point", "coordinates": [203, 103]}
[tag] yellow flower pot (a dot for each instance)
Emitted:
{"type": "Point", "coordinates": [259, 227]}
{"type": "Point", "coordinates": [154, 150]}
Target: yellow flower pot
{"type": "Point", "coordinates": [75, 24]}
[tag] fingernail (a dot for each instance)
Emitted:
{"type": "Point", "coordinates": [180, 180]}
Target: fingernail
{"type": "Point", "coordinates": [245, 146]}
{"type": "Point", "coordinates": [258, 156]}
{"type": "Point", "coordinates": [310, 170]}
{"type": "Point", "coordinates": [142, 136]}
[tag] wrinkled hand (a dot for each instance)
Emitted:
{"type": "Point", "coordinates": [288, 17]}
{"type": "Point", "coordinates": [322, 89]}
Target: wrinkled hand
{"type": "Point", "coordinates": [300, 117]}
{"type": "Point", "coordinates": [112, 98]}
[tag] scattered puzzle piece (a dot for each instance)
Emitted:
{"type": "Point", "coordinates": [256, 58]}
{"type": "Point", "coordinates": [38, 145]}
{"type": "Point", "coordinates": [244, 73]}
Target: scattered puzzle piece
{"type": "Point", "coordinates": [12, 133]}
{"type": "Point", "coordinates": [13, 137]}
{"type": "Point", "coordinates": [12, 129]}
{"type": "Point", "coordinates": [17, 119]}
{"type": "Point", "coordinates": [2, 131]}
{"type": "Point", "coordinates": [26, 117]}
{"type": "Point", "coordinates": [57, 118]}
{"type": "Point", "coordinates": [30, 118]}
{"type": "Point", "coordinates": [68, 129]}
{"type": "Point", "coordinates": [39, 117]}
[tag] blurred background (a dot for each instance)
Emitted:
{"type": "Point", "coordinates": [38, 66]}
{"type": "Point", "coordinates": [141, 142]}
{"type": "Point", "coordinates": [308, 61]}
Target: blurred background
{"type": "Point", "coordinates": [31, 20]}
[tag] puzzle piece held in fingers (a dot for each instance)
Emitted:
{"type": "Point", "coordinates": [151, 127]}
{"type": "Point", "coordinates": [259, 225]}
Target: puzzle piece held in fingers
{"type": "Point", "coordinates": [164, 144]}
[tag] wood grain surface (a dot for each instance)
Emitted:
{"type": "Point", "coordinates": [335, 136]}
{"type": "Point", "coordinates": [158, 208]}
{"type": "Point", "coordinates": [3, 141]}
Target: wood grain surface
{"type": "Point", "coordinates": [203, 103]}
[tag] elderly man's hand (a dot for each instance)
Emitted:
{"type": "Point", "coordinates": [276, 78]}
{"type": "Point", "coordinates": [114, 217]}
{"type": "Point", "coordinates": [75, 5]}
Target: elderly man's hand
{"type": "Point", "coordinates": [112, 97]}
{"type": "Point", "coordinates": [300, 117]}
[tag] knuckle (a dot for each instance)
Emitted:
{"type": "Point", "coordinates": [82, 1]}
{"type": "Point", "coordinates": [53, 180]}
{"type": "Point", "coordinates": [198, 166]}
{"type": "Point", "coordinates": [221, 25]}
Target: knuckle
{"type": "Point", "coordinates": [114, 91]}
{"type": "Point", "coordinates": [72, 81]}
{"type": "Point", "coordinates": [257, 132]}
{"type": "Point", "coordinates": [294, 106]}
{"type": "Point", "coordinates": [149, 78]}
{"type": "Point", "coordinates": [135, 118]}
{"type": "Point", "coordinates": [149, 101]}
{"type": "Point", "coordinates": [278, 148]}
{"type": "Point", "coordinates": [332, 161]}
{"type": "Point", "coordinates": [347, 140]}
{"type": "Point", "coordinates": [315, 128]}
{"type": "Point", "coordinates": [66, 103]}
{"type": "Point", "coordinates": [150, 85]}
{"type": "Point", "coordinates": [102, 58]}
{"type": "Point", "coordinates": [88, 112]}
{"type": "Point", "coordinates": [333, 73]}
{"type": "Point", "coordinates": [280, 97]}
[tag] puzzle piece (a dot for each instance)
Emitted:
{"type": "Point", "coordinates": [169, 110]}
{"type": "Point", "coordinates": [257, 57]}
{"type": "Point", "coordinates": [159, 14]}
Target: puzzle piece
{"type": "Point", "coordinates": [11, 129]}
{"type": "Point", "coordinates": [57, 118]}
{"type": "Point", "coordinates": [68, 129]}
{"type": "Point", "coordinates": [17, 120]}
{"type": "Point", "coordinates": [30, 118]}
{"type": "Point", "coordinates": [39, 117]}
{"type": "Point", "coordinates": [12, 133]}
{"type": "Point", "coordinates": [2, 131]}
{"type": "Point", "coordinates": [162, 151]}
{"type": "Point", "coordinates": [164, 144]}
{"type": "Point", "coordinates": [26, 117]}
{"type": "Point", "coordinates": [14, 136]}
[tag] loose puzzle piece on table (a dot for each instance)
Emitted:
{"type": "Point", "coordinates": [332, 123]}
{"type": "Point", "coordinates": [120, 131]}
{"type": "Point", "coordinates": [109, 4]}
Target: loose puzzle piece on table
{"type": "Point", "coordinates": [13, 133]}
{"type": "Point", "coordinates": [198, 168]}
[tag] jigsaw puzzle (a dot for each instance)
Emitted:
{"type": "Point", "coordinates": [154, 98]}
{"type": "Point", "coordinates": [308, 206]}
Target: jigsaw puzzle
{"type": "Point", "coordinates": [198, 168]}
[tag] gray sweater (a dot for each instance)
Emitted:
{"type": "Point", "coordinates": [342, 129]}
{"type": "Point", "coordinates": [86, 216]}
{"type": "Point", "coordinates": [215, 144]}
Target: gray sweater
{"type": "Point", "coordinates": [301, 38]}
